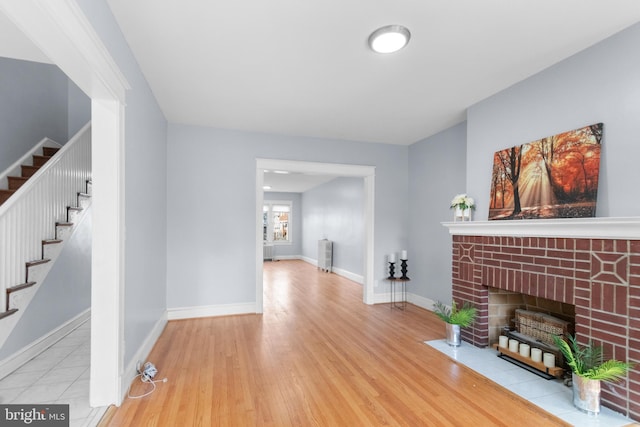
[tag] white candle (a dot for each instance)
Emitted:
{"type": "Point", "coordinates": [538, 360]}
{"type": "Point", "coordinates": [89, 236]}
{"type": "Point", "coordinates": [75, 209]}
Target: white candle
{"type": "Point", "coordinates": [524, 350]}
{"type": "Point", "coordinates": [503, 341]}
{"type": "Point", "coordinates": [513, 345]}
{"type": "Point", "coordinates": [392, 257]}
{"type": "Point", "coordinates": [536, 355]}
{"type": "Point", "coordinates": [403, 255]}
{"type": "Point", "coordinates": [549, 360]}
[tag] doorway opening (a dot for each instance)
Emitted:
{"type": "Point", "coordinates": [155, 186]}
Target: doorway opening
{"type": "Point", "coordinates": [365, 172]}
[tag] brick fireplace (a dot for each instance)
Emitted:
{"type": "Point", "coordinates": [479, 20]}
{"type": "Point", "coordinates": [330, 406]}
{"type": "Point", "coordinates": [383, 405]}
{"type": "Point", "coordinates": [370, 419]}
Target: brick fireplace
{"type": "Point", "coordinates": [578, 262]}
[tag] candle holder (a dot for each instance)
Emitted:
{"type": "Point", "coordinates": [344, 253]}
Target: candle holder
{"type": "Point", "coordinates": [403, 269]}
{"type": "Point", "coordinates": [392, 270]}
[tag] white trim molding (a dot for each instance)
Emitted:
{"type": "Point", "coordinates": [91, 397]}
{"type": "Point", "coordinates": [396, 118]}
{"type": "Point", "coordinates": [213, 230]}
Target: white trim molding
{"type": "Point", "coordinates": [588, 228]}
{"type": "Point", "coordinates": [179, 313]}
{"type": "Point", "coordinates": [143, 352]}
{"type": "Point", "coordinates": [64, 34]}
{"type": "Point", "coordinates": [358, 278]}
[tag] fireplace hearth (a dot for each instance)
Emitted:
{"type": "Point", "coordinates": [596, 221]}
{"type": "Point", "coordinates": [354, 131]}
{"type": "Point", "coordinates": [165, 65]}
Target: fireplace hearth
{"type": "Point", "coordinates": [598, 276]}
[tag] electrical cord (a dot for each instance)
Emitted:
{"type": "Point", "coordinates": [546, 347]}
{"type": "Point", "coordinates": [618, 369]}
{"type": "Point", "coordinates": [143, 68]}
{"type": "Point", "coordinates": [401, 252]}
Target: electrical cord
{"type": "Point", "coordinates": [147, 376]}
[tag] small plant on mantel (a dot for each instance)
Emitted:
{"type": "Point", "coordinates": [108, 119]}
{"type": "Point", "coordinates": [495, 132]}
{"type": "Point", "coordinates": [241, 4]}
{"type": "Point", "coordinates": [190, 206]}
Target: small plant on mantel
{"type": "Point", "coordinates": [464, 316]}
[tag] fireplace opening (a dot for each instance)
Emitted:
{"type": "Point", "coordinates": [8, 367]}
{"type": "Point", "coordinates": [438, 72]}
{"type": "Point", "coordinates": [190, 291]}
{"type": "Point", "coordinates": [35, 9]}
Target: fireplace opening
{"type": "Point", "coordinates": [502, 312]}
{"type": "Point", "coordinates": [533, 322]}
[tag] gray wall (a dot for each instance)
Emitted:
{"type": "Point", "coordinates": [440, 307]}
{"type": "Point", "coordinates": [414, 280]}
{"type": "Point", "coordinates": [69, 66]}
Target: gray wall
{"type": "Point", "coordinates": [436, 174]}
{"type": "Point", "coordinates": [145, 188]}
{"type": "Point", "coordinates": [295, 228]}
{"type": "Point", "coordinates": [212, 176]}
{"type": "Point", "coordinates": [65, 293]}
{"type": "Point", "coordinates": [79, 108]}
{"type": "Point", "coordinates": [335, 211]}
{"type": "Point", "coordinates": [33, 105]}
{"type": "Point", "coordinates": [599, 84]}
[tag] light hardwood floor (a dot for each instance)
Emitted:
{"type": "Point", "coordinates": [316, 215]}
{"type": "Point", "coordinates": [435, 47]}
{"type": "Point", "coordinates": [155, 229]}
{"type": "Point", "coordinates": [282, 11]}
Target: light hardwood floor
{"type": "Point", "coordinates": [317, 357]}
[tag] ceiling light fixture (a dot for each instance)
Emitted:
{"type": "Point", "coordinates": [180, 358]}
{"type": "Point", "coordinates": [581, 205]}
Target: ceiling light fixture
{"type": "Point", "coordinates": [389, 39]}
{"type": "Point", "coordinates": [266, 187]}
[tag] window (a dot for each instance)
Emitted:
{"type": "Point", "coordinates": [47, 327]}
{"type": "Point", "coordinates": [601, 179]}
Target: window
{"type": "Point", "coordinates": [276, 221]}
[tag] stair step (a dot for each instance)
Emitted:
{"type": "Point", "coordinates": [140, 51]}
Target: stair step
{"type": "Point", "coordinates": [73, 212]}
{"type": "Point", "coordinates": [16, 182]}
{"type": "Point", "coordinates": [51, 241]}
{"type": "Point", "coordinates": [50, 248]}
{"type": "Point", "coordinates": [84, 199]}
{"type": "Point", "coordinates": [20, 287]}
{"type": "Point", "coordinates": [8, 313]}
{"type": "Point", "coordinates": [49, 151]}
{"type": "Point", "coordinates": [28, 171]}
{"type": "Point", "coordinates": [39, 160]}
{"type": "Point", "coordinates": [36, 262]}
{"type": "Point", "coordinates": [16, 288]}
{"type": "Point", "coordinates": [63, 230]}
{"type": "Point", "coordinates": [32, 273]}
{"type": "Point", "coordinates": [5, 194]}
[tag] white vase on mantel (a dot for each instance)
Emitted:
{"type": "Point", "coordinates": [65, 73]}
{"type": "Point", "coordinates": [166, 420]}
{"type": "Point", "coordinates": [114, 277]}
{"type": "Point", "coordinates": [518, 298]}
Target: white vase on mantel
{"type": "Point", "coordinates": [460, 214]}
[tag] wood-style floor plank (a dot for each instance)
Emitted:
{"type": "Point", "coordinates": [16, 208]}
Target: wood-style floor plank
{"type": "Point", "coordinates": [317, 356]}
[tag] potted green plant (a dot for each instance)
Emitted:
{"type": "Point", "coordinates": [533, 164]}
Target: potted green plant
{"type": "Point", "coordinates": [588, 369]}
{"type": "Point", "coordinates": [455, 318]}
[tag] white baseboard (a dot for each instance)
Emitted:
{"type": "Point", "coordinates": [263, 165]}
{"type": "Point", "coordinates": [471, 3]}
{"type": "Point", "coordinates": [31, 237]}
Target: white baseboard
{"type": "Point", "coordinates": [348, 275]}
{"type": "Point", "coordinates": [210, 310]}
{"type": "Point", "coordinates": [420, 301]}
{"type": "Point", "coordinates": [30, 351]}
{"type": "Point", "coordinates": [141, 355]}
{"type": "Point", "coordinates": [285, 257]}
{"type": "Point", "coordinates": [311, 261]}
{"type": "Point", "coordinates": [339, 271]}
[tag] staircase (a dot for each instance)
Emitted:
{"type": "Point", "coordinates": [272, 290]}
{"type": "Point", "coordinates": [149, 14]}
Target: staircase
{"type": "Point", "coordinates": [15, 182]}
{"type": "Point", "coordinates": [46, 193]}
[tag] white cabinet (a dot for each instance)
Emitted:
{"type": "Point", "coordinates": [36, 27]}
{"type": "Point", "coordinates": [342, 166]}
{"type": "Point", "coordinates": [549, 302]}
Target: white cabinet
{"type": "Point", "coordinates": [325, 251]}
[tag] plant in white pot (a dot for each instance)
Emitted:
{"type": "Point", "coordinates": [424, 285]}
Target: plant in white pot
{"type": "Point", "coordinates": [462, 206]}
{"type": "Point", "coordinates": [455, 318]}
{"type": "Point", "coordinates": [588, 369]}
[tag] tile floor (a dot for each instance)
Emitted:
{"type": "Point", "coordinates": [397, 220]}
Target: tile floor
{"type": "Point", "coordinates": [58, 375]}
{"type": "Point", "coordinates": [551, 395]}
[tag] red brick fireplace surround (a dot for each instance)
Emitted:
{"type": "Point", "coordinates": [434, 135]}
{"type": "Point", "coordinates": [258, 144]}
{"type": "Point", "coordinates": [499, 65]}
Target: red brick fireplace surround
{"type": "Point", "coordinates": [592, 263]}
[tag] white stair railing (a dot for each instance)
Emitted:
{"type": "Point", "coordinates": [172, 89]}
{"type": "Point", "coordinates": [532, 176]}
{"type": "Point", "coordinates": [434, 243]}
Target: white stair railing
{"type": "Point", "coordinates": [31, 213]}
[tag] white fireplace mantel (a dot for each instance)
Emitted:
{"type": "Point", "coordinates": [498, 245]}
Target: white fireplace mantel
{"type": "Point", "coordinates": [589, 228]}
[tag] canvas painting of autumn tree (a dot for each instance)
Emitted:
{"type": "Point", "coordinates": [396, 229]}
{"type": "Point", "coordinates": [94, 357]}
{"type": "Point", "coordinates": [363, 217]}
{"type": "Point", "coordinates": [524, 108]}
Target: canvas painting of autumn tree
{"type": "Point", "coordinates": [554, 177]}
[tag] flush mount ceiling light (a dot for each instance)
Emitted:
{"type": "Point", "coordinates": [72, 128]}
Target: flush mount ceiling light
{"type": "Point", "coordinates": [389, 39]}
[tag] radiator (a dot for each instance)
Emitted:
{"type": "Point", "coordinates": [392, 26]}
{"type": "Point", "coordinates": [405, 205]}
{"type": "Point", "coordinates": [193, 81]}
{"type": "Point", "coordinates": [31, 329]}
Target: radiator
{"type": "Point", "coordinates": [267, 252]}
{"type": "Point", "coordinates": [325, 252]}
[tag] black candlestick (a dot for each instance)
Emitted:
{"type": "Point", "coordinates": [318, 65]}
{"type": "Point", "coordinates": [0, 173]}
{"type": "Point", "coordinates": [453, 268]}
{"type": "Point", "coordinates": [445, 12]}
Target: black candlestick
{"type": "Point", "coordinates": [403, 269]}
{"type": "Point", "coordinates": [392, 270]}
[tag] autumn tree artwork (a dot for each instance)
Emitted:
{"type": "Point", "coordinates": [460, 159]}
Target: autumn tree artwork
{"type": "Point", "coordinates": [554, 177]}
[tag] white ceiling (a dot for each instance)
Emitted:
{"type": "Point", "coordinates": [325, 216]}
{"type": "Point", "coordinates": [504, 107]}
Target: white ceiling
{"type": "Point", "coordinates": [303, 67]}
{"type": "Point", "coordinates": [13, 44]}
